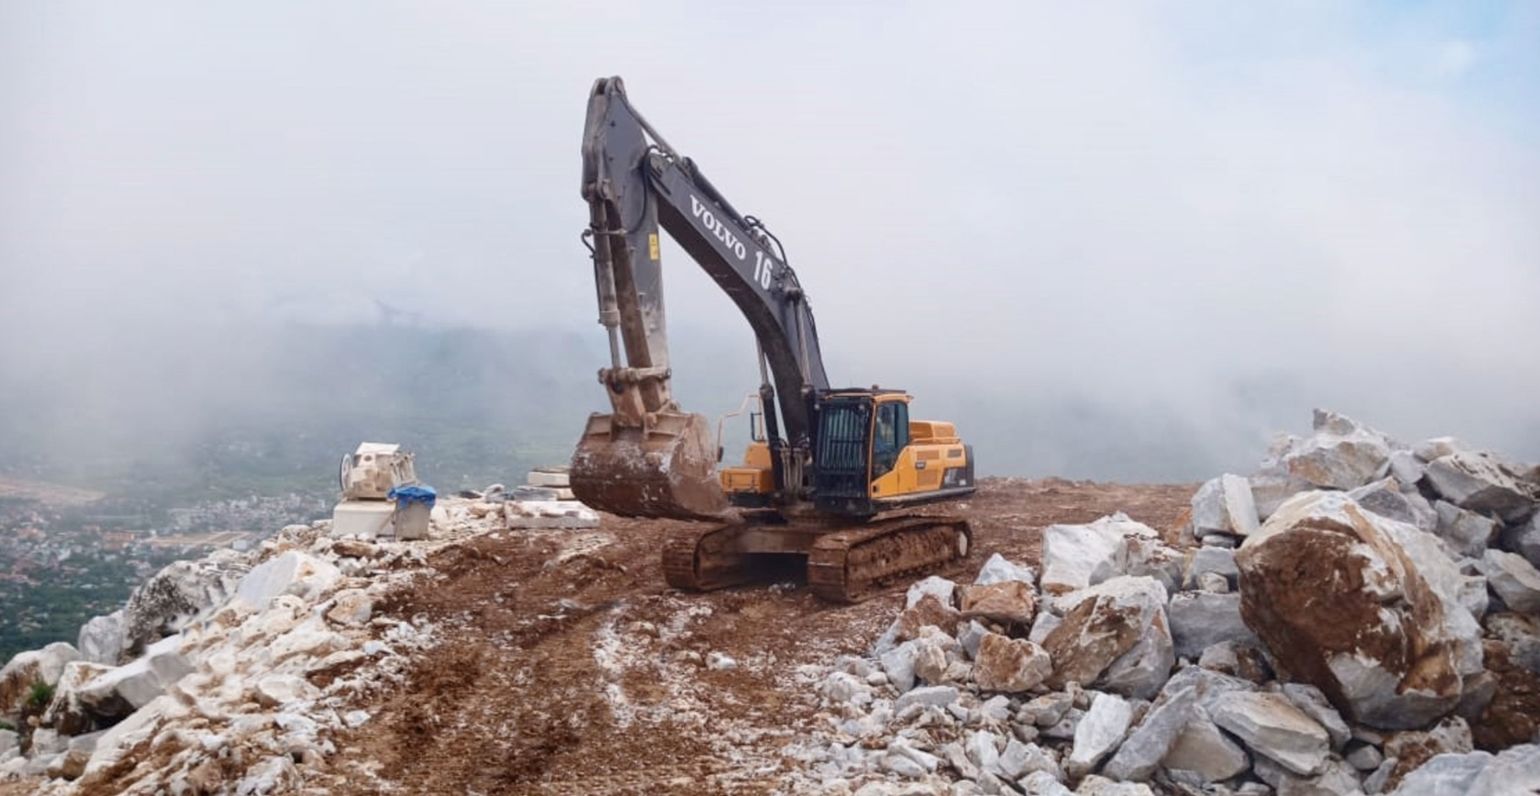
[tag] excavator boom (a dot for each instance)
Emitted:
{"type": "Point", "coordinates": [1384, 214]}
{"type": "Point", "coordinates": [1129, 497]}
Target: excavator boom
{"type": "Point", "coordinates": [647, 457]}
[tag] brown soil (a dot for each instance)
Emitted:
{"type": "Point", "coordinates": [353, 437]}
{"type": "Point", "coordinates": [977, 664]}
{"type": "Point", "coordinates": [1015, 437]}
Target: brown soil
{"type": "Point", "coordinates": [568, 666]}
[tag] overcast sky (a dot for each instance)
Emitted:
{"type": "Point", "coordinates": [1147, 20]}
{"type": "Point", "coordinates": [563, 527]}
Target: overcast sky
{"type": "Point", "coordinates": [1152, 207]}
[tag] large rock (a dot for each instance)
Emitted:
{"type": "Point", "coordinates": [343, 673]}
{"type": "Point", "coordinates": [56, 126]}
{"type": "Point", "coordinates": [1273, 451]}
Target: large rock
{"type": "Point", "coordinates": [1095, 785]}
{"type": "Point", "coordinates": [1114, 634]}
{"type": "Point", "coordinates": [1359, 606]}
{"type": "Point", "coordinates": [1270, 725]}
{"type": "Point", "coordinates": [67, 713]}
{"type": "Point", "coordinates": [28, 668]}
{"type": "Point", "coordinates": [1513, 579]}
{"type": "Point", "coordinates": [1224, 505]}
{"type": "Point", "coordinates": [293, 572]}
{"type": "Point", "coordinates": [1100, 731]}
{"type": "Point", "coordinates": [1020, 759]}
{"type": "Point", "coordinates": [942, 589]}
{"type": "Point", "coordinates": [1466, 532]}
{"type": "Point", "coordinates": [1409, 749]}
{"type": "Point", "coordinates": [1077, 556]}
{"type": "Point", "coordinates": [898, 664]}
{"type": "Point", "coordinates": [1272, 483]}
{"type": "Point", "coordinates": [172, 598]}
{"type": "Point", "coordinates": [102, 638]}
{"type": "Point", "coordinates": [1006, 601]}
{"type": "Point", "coordinates": [1444, 775]}
{"type": "Point", "coordinates": [1043, 783]}
{"type": "Point", "coordinates": [1141, 753]}
{"type": "Point", "coordinates": [1483, 484]}
{"type": "Point", "coordinates": [1524, 539]}
{"type": "Point", "coordinates": [1341, 454]}
{"type": "Point", "coordinates": [1336, 778]}
{"type": "Point", "coordinates": [124, 689]}
{"type": "Point", "coordinates": [1313, 703]}
{"type": "Point", "coordinates": [1206, 751]}
{"type": "Point", "coordinates": [1141, 555]}
{"type": "Point", "coordinates": [1438, 447]}
{"type": "Point", "coordinates": [1388, 498]}
{"type": "Point", "coordinates": [1212, 560]}
{"type": "Point", "coordinates": [999, 569]}
{"type": "Point", "coordinates": [1406, 467]}
{"type": "Point", "coordinates": [1516, 769]}
{"type": "Point", "coordinates": [1009, 664]}
{"type": "Point", "coordinates": [1520, 636]}
{"type": "Point", "coordinates": [1202, 619]}
{"type": "Point", "coordinates": [1074, 554]}
{"type": "Point", "coordinates": [927, 611]}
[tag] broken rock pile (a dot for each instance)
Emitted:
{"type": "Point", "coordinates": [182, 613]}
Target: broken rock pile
{"type": "Point", "coordinates": [1360, 616]}
{"type": "Point", "coordinates": [229, 674]}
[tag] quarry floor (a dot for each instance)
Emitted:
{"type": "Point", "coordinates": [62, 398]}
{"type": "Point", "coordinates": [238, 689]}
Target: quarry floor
{"type": "Point", "coordinates": [569, 666]}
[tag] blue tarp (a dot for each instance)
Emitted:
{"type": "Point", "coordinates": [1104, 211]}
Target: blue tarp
{"type": "Point", "coordinates": [414, 493]}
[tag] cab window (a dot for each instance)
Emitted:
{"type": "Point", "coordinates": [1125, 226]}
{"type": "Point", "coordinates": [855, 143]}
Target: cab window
{"type": "Point", "coordinates": [890, 437]}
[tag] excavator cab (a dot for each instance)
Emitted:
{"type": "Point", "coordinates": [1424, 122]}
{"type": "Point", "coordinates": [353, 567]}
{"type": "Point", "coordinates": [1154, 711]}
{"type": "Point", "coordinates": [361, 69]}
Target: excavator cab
{"type": "Point", "coordinates": [868, 457]}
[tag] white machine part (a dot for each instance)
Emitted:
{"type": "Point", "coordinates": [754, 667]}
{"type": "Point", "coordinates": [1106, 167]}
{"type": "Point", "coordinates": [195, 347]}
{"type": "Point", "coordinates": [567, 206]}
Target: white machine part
{"type": "Point", "coordinates": [370, 472]}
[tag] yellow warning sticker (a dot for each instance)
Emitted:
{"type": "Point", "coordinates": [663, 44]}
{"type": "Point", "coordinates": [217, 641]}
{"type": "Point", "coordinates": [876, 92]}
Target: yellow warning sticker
{"type": "Point", "coordinates": [652, 245]}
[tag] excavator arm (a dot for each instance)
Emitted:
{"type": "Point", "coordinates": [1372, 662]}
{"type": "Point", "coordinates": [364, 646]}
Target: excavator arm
{"type": "Point", "coordinates": [647, 458]}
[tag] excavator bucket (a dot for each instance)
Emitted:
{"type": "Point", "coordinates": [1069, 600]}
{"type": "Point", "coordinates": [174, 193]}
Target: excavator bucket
{"type": "Point", "coordinates": [667, 470]}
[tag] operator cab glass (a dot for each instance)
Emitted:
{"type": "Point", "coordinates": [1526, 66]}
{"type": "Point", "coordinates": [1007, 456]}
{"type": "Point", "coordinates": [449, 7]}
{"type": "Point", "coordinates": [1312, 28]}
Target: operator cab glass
{"type": "Point", "coordinates": [890, 437]}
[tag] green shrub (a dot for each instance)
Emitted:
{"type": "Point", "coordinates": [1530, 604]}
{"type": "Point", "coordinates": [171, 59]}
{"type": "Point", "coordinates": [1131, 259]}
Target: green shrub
{"type": "Point", "coordinates": [40, 695]}
{"type": "Point", "coordinates": [5, 725]}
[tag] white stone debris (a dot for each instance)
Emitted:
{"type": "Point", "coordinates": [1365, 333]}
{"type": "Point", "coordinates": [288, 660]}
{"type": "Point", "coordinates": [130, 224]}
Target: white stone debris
{"type": "Point", "coordinates": [1099, 733]}
{"type": "Point", "coordinates": [1270, 725]}
{"type": "Point", "coordinates": [1224, 505]}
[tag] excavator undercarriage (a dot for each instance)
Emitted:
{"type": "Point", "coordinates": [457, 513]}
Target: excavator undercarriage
{"type": "Point", "coordinates": [843, 565]}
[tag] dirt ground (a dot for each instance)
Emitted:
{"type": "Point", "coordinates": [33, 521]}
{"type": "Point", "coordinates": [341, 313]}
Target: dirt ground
{"type": "Point", "coordinates": [569, 666]}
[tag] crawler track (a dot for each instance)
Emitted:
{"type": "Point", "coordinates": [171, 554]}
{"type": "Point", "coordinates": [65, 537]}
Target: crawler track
{"type": "Point", "coordinates": [850, 566]}
{"type": "Point", "coordinates": [843, 565]}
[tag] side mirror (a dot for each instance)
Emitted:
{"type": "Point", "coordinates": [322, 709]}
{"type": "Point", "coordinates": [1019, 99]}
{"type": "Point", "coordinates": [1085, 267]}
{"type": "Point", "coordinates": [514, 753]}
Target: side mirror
{"type": "Point", "coordinates": [719, 454]}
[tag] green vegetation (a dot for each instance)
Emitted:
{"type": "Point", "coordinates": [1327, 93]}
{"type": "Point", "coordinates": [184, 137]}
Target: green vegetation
{"type": "Point", "coordinates": [5, 725]}
{"type": "Point", "coordinates": [39, 696]}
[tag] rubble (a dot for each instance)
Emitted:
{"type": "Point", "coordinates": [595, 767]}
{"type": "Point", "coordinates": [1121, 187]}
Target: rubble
{"type": "Point", "coordinates": [1350, 644]}
{"type": "Point", "coordinates": [1371, 591]}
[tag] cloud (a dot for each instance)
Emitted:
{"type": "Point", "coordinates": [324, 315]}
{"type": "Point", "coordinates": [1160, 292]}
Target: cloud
{"type": "Point", "coordinates": [1214, 213]}
{"type": "Point", "coordinates": [1455, 57]}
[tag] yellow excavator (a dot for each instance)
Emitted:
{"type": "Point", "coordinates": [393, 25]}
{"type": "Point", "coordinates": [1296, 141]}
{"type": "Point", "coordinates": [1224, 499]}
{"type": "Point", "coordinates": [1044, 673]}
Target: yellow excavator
{"type": "Point", "coordinates": [829, 471]}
